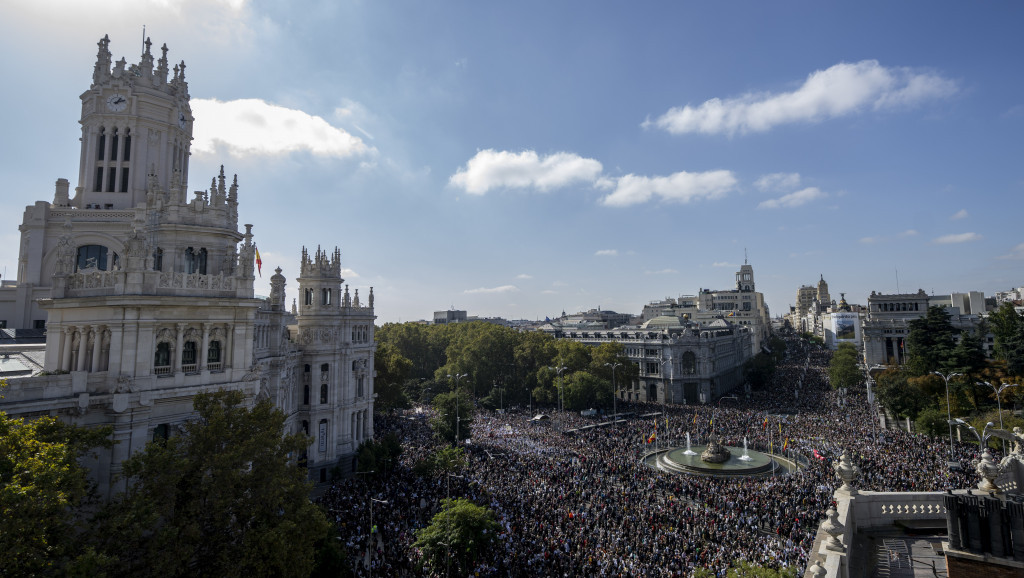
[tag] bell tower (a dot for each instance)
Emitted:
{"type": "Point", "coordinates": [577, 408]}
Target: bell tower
{"type": "Point", "coordinates": [136, 127]}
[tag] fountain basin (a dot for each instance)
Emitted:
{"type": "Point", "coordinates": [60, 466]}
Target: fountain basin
{"type": "Point", "coordinates": [677, 460]}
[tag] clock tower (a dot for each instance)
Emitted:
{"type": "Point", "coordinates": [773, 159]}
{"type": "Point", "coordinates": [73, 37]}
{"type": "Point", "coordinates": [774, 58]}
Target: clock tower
{"type": "Point", "coordinates": [136, 131]}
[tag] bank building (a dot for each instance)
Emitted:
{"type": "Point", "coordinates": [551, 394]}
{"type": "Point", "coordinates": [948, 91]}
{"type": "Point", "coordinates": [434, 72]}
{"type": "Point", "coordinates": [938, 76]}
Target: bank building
{"type": "Point", "coordinates": [145, 293]}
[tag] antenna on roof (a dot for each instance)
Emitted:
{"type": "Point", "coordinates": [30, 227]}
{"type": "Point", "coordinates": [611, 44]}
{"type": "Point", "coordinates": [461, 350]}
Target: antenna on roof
{"type": "Point", "coordinates": [143, 37]}
{"type": "Point", "coordinates": [897, 280]}
{"type": "Point", "coordinates": [744, 255]}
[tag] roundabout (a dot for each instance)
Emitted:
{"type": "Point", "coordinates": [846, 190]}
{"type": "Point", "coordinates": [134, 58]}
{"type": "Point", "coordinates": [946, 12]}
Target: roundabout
{"type": "Point", "coordinates": [739, 462]}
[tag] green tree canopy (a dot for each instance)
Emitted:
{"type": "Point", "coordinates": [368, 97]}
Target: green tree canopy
{"type": "Point", "coordinates": [454, 419]}
{"type": "Point", "coordinates": [42, 491]}
{"type": "Point", "coordinates": [461, 531]}
{"type": "Point", "coordinates": [930, 341]}
{"type": "Point", "coordinates": [225, 498]}
{"type": "Point", "coordinates": [392, 369]}
{"type": "Point", "coordinates": [843, 370]}
{"type": "Point", "coordinates": [585, 390]}
{"type": "Point", "coordinates": [899, 395]}
{"type": "Point", "coordinates": [1008, 328]}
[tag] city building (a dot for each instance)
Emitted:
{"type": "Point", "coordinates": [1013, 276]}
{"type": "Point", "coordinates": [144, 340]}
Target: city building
{"type": "Point", "coordinates": [146, 293]}
{"type": "Point", "coordinates": [743, 306]}
{"type": "Point", "coordinates": [449, 316]}
{"type": "Point", "coordinates": [679, 360]}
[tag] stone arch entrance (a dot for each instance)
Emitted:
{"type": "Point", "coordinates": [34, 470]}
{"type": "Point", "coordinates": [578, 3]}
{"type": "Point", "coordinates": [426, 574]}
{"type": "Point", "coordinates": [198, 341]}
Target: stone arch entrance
{"type": "Point", "coordinates": [652, 394]}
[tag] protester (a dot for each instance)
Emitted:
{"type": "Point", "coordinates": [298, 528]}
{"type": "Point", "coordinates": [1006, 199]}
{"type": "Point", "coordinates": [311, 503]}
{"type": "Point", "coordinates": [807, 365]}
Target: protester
{"type": "Point", "coordinates": [586, 504]}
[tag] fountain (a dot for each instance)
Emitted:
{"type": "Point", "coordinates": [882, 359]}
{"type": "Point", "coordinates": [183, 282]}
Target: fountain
{"type": "Point", "coordinates": [746, 455]}
{"type": "Point", "coordinates": [688, 451]}
{"type": "Point", "coordinates": [716, 452]}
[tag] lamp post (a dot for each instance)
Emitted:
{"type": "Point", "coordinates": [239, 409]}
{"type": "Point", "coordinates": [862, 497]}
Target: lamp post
{"type": "Point", "coordinates": [717, 406]}
{"type": "Point", "coordinates": [558, 370]}
{"type": "Point", "coordinates": [458, 419]}
{"type": "Point", "coordinates": [370, 541]}
{"type": "Point", "coordinates": [999, 405]}
{"type": "Point", "coordinates": [949, 415]}
{"type": "Point", "coordinates": [615, 392]}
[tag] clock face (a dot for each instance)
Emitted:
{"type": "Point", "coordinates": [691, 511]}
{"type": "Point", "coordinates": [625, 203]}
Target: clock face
{"type": "Point", "coordinates": [116, 102]}
{"type": "Point", "coordinates": [182, 121]}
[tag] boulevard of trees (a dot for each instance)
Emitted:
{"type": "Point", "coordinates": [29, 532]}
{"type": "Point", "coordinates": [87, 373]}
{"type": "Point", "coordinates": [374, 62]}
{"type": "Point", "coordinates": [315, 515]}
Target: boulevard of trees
{"type": "Point", "coordinates": [934, 346]}
{"type": "Point", "coordinates": [501, 367]}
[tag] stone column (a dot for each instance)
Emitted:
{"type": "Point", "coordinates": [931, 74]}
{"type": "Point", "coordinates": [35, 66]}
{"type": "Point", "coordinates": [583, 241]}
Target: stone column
{"type": "Point", "coordinates": [229, 332]}
{"type": "Point", "coordinates": [179, 345]}
{"type": "Point", "coordinates": [97, 342]}
{"type": "Point", "coordinates": [206, 346]}
{"type": "Point", "coordinates": [83, 343]}
{"type": "Point", "coordinates": [68, 340]}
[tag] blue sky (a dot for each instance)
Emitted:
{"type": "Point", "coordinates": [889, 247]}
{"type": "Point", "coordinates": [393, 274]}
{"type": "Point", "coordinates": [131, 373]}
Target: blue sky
{"type": "Point", "coordinates": [524, 158]}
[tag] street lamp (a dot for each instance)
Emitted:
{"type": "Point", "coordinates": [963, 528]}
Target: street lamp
{"type": "Point", "coordinates": [615, 392]}
{"type": "Point", "coordinates": [370, 541]}
{"type": "Point", "coordinates": [949, 416]}
{"type": "Point", "coordinates": [717, 406]}
{"type": "Point", "coordinates": [458, 419]}
{"type": "Point", "coordinates": [558, 370]}
{"type": "Point", "coordinates": [999, 405]}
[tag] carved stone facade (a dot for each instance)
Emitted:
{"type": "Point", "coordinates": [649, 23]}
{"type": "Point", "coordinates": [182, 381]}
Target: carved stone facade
{"type": "Point", "coordinates": [147, 295]}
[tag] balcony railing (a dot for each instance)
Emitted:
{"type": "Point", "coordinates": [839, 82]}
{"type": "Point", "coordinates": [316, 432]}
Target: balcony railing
{"type": "Point", "coordinates": [217, 366]}
{"type": "Point", "coordinates": [190, 368]}
{"type": "Point", "coordinates": [162, 371]}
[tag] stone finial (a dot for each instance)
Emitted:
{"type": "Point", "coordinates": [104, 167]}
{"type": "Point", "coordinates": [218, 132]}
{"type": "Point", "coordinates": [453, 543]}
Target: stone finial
{"type": "Point", "coordinates": [101, 71]}
{"type": "Point", "coordinates": [834, 528]}
{"type": "Point", "coordinates": [989, 470]}
{"type": "Point", "coordinates": [371, 298]}
{"type": "Point", "coordinates": [355, 300]}
{"type": "Point", "coordinates": [816, 571]}
{"type": "Point", "coordinates": [295, 309]}
{"type": "Point", "coordinates": [847, 472]}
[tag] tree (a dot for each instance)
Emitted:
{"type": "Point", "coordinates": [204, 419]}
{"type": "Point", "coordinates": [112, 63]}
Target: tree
{"type": "Point", "coordinates": [930, 341]}
{"type": "Point", "coordinates": [444, 461]}
{"type": "Point", "coordinates": [454, 416]}
{"type": "Point", "coordinates": [461, 531]}
{"type": "Point", "coordinates": [392, 370]}
{"type": "Point", "coordinates": [584, 390]}
{"type": "Point", "coordinates": [42, 493]}
{"type": "Point", "coordinates": [843, 370]}
{"type": "Point", "coordinates": [759, 370]}
{"type": "Point", "coordinates": [744, 569]}
{"type": "Point", "coordinates": [1008, 329]}
{"type": "Point", "coordinates": [897, 393]}
{"type": "Point", "coordinates": [380, 457]}
{"type": "Point", "coordinates": [225, 498]}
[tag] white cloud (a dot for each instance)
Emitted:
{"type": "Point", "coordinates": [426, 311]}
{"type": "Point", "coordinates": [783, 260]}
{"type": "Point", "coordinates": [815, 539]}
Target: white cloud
{"type": "Point", "coordinates": [723, 264]}
{"type": "Point", "coordinates": [956, 238]}
{"type": "Point", "coordinates": [869, 240]}
{"type": "Point", "coordinates": [1015, 253]}
{"type": "Point", "coordinates": [502, 289]}
{"type": "Point", "coordinates": [837, 91]}
{"type": "Point", "coordinates": [681, 187]}
{"type": "Point", "coordinates": [524, 276]}
{"type": "Point", "coordinates": [661, 272]}
{"type": "Point", "coordinates": [961, 214]}
{"type": "Point", "coordinates": [908, 233]}
{"type": "Point", "coordinates": [549, 292]}
{"type": "Point", "coordinates": [491, 169]}
{"type": "Point", "coordinates": [791, 200]}
{"type": "Point", "coordinates": [252, 127]}
{"type": "Point", "coordinates": [778, 182]}
{"type": "Point", "coordinates": [607, 253]}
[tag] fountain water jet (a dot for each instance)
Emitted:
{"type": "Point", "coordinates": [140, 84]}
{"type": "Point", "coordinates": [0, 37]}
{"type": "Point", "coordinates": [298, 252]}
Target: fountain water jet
{"type": "Point", "coordinates": [746, 455]}
{"type": "Point", "coordinates": [688, 451]}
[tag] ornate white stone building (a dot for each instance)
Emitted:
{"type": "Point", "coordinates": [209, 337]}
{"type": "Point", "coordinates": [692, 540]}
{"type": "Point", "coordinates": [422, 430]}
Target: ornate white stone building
{"type": "Point", "coordinates": [147, 295]}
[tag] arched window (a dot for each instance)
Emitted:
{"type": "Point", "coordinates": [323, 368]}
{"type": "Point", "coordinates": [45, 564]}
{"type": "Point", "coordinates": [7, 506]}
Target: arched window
{"type": "Point", "coordinates": [92, 256]}
{"type": "Point", "coordinates": [195, 261]}
{"type": "Point", "coordinates": [325, 296]}
{"type": "Point", "coordinates": [305, 427]}
{"type": "Point", "coordinates": [359, 391]}
{"type": "Point", "coordinates": [308, 300]}
{"type": "Point", "coordinates": [689, 363]}
{"type": "Point", "coordinates": [158, 259]}
{"type": "Point", "coordinates": [323, 393]}
{"type": "Point", "coordinates": [162, 358]}
{"type": "Point", "coordinates": [213, 353]}
{"type": "Point", "coordinates": [305, 397]}
{"type": "Point", "coordinates": [127, 155]}
{"type": "Point", "coordinates": [188, 353]}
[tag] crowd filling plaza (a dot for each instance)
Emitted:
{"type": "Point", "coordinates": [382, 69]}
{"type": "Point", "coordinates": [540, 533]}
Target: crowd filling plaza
{"type": "Point", "coordinates": [586, 504]}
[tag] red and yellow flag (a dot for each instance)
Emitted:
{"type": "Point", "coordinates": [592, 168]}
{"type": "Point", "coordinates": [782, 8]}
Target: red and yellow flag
{"type": "Point", "coordinates": [785, 444]}
{"type": "Point", "coordinates": [259, 262]}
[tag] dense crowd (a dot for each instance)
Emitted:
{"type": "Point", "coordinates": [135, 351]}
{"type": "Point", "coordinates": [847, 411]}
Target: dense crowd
{"type": "Point", "coordinates": [586, 503]}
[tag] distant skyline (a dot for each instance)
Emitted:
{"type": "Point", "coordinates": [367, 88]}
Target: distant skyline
{"type": "Point", "coordinates": [521, 159]}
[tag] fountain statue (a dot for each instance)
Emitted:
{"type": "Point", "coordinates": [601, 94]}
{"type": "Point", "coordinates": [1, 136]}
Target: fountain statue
{"type": "Point", "coordinates": [716, 452]}
{"type": "Point", "coordinates": [688, 451]}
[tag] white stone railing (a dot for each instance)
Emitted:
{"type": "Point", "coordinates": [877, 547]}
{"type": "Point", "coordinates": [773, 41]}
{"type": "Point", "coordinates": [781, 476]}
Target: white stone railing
{"type": "Point", "coordinates": [93, 279]}
{"type": "Point", "coordinates": [92, 215]}
{"type": "Point", "coordinates": [214, 366]}
{"type": "Point", "coordinates": [190, 368]}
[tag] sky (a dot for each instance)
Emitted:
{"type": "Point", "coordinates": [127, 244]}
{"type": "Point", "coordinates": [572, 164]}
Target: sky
{"type": "Point", "coordinates": [520, 159]}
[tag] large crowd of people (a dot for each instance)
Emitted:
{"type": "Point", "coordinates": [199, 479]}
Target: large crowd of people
{"type": "Point", "coordinates": [586, 503]}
